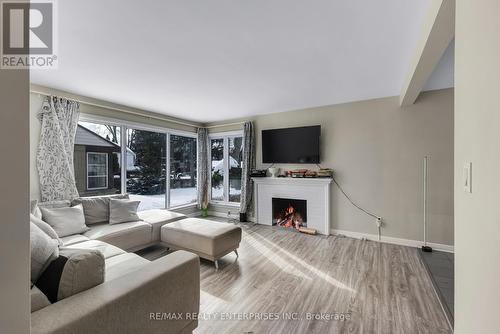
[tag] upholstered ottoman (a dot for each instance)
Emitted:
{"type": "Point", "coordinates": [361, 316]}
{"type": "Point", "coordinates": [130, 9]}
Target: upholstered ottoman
{"type": "Point", "coordinates": [210, 240]}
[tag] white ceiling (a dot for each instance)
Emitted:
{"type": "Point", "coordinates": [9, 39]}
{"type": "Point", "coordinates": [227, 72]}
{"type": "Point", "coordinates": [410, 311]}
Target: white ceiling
{"type": "Point", "coordinates": [222, 59]}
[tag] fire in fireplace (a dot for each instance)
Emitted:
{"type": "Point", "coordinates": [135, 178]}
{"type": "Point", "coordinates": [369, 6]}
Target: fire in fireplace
{"type": "Point", "coordinates": [291, 213]}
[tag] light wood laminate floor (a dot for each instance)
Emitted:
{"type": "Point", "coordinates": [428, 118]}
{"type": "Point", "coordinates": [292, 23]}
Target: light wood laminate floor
{"type": "Point", "coordinates": [382, 288]}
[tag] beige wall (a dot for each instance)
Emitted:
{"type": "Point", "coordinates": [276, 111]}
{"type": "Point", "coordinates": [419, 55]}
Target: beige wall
{"type": "Point", "coordinates": [145, 118]}
{"type": "Point", "coordinates": [477, 140]}
{"type": "Point", "coordinates": [14, 202]}
{"type": "Point", "coordinates": [376, 149]}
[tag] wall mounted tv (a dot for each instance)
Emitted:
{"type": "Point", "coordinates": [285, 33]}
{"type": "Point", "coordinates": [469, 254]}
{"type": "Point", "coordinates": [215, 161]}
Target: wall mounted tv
{"type": "Point", "coordinates": [291, 145]}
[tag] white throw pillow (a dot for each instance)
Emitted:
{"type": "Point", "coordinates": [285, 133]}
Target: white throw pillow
{"type": "Point", "coordinates": [123, 211]}
{"type": "Point", "coordinates": [96, 209]}
{"type": "Point", "coordinates": [46, 228]}
{"type": "Point", "coordinates": [44, 250]}
{"type": "Point", "coordinates": [65, 221]}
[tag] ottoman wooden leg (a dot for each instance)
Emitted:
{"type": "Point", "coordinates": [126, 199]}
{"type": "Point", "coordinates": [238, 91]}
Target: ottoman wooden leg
{"type": "Point", "coordinates": [236, 252]}
{"type": "Point", "coordinates": [216, 265]}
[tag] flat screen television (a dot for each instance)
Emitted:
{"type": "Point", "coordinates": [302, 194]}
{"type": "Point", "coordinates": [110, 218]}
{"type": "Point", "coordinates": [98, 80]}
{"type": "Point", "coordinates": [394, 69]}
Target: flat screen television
{"type": "Point", "coordinates": [291, 145]}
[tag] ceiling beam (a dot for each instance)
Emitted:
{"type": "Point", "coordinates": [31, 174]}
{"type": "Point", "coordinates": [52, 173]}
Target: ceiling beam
{"type": "Point", "coordinates": [437, 33]}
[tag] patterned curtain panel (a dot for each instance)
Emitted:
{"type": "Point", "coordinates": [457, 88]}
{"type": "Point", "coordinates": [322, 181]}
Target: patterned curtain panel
{"type": "Point", "coordinates": [248, 165]}
{"type": "Point", "coordinates": [54, 160]}
{"type": "Point", "coordinates": [202, 167]}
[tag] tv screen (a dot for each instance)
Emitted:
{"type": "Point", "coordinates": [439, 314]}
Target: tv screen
{"type": "Point", "coordinates": [291, 145]}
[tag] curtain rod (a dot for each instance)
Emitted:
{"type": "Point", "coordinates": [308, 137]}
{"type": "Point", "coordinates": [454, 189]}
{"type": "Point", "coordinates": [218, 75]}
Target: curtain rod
{"type": "Point", "coordinates": [165, 119]}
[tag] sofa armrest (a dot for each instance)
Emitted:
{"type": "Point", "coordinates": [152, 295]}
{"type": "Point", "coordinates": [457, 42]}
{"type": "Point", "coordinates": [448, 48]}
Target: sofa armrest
{"type": "Point", "coordinates": [131, 303]}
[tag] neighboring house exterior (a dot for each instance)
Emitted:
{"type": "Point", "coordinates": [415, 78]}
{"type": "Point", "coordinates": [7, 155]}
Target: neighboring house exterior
{"type": "Point", "coordinates": [97, 166]}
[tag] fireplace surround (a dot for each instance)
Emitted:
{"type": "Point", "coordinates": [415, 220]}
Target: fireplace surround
{"type": "Point", "coordinates": [316, 191]}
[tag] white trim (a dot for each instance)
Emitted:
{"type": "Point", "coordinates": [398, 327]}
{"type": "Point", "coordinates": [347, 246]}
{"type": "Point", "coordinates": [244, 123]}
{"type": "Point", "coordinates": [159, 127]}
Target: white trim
{"type": "Point", "coordinates": [294, 180]}
{"type": "Point", "coordinates": [123, 158]}
{"type": "Point", "coordinates": [182, 133]}
{"type": "Point", "coordinates": [225, 136]}
{"type": "Point", "coordinates": [227, 164]}
{"type": "Point", "coordinates": [134, 125]}
{"type": "Point", "coordinates": [184, 206]}
{"type": "Point", "coordinates": [97, 176]}
{"type": "Point", "coordinates": [225, 204]}
{"type": "Point", "coordinates": [167, 171]}
{"type": "Point", "coordinates": [392, 240]}
{"type": "Point", "coordinates": [210, 200]}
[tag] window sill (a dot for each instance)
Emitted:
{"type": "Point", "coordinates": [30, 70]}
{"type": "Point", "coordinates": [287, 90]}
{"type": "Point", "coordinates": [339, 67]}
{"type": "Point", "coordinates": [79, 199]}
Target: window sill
{"type": "Point", "coordinates": [217, 203]}
{"type": "Point", "coordinates": [183, 206]}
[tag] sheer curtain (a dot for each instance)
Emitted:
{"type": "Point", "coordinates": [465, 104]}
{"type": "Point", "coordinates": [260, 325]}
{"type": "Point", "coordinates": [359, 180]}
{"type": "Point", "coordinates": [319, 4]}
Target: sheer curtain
{"type": "Point", "coordinates": [54, 159]}
{"type": "Point", "coordinates": [248, 165]}
{"type": "Point", "coordinates": [202, 168]}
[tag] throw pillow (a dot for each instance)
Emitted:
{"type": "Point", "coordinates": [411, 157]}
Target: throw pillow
{"type": "Point", "coordinates": [123, 211]}
{"type": "Point", "coordinates": [43, 251]}
{"type": "Point", "coordinates": [34, 209]}
{"type": "Point", "coordinates": [54, 204]}
{"type": "Point", "coordinates": [74, 271]}
{"type": "Point", "coordinates": [46, 228]}
{"type": "Point", "coordinates": [96, 209]}
{"type": "Point", "coordinates": [65, 221]}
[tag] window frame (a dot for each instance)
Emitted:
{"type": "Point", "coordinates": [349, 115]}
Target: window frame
{"type": "Point", "coordinates": [169, 158]}
{"type": "Point", "coordinates": [97, 176]}
{"type": "Point", "coordinates": [225, 137]}
{"type": "Point", "coordinates": [124, 126]}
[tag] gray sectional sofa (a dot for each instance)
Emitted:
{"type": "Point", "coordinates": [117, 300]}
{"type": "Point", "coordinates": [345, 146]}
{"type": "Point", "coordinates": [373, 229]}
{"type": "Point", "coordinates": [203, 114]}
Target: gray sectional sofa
{"type": "Point", "coordinates": [134, 290]}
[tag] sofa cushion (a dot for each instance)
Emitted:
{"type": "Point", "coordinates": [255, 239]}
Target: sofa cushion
{"type": "Point", "coordinates": [44, 250]}
{"type": "Point", "coordinates": [159, 217]}
{"type": "Point", "coordinates": [106, 249]}
{"type": "Point", "coordinates": [207, 238]}
{"type": "Point", "coordinates": [74, 271]}
{"type": "Point", "coordinates": [96, 209]}
{"type": "Point", "coordinates": [123, 264]}
{"type": "Point", "coordinates": [45, 228]}
{"type": "Point", "coordinates": [73, 239]}
{"type": "Point", "coordinates": [123, 211]}
{"type": "Point", "coordinates": [125, 236]}
{"type": "Point", "coordinates": [65, 221]}
{"type": "Point", "coordinates": [38, 299]}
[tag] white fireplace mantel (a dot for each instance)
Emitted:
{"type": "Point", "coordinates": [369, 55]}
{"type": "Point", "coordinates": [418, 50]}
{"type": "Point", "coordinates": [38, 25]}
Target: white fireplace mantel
{"type": "Point", "coordinates": [316, 191]}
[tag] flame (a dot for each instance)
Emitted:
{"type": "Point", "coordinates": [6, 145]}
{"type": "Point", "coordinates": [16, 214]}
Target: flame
{"type": "Point", "coordinates": [289, 218]}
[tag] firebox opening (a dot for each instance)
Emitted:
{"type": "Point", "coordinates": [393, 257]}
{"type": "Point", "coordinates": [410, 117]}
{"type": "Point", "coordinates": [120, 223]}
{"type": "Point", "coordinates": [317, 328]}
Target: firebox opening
{"type": "Point", "coordinates": [291, 213]}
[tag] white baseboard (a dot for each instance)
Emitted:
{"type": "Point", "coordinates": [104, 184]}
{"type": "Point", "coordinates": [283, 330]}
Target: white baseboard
{"type": "Point", "coordinates": [395, 241]}
{"type": "Point", "coordinates": [356, 235]}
